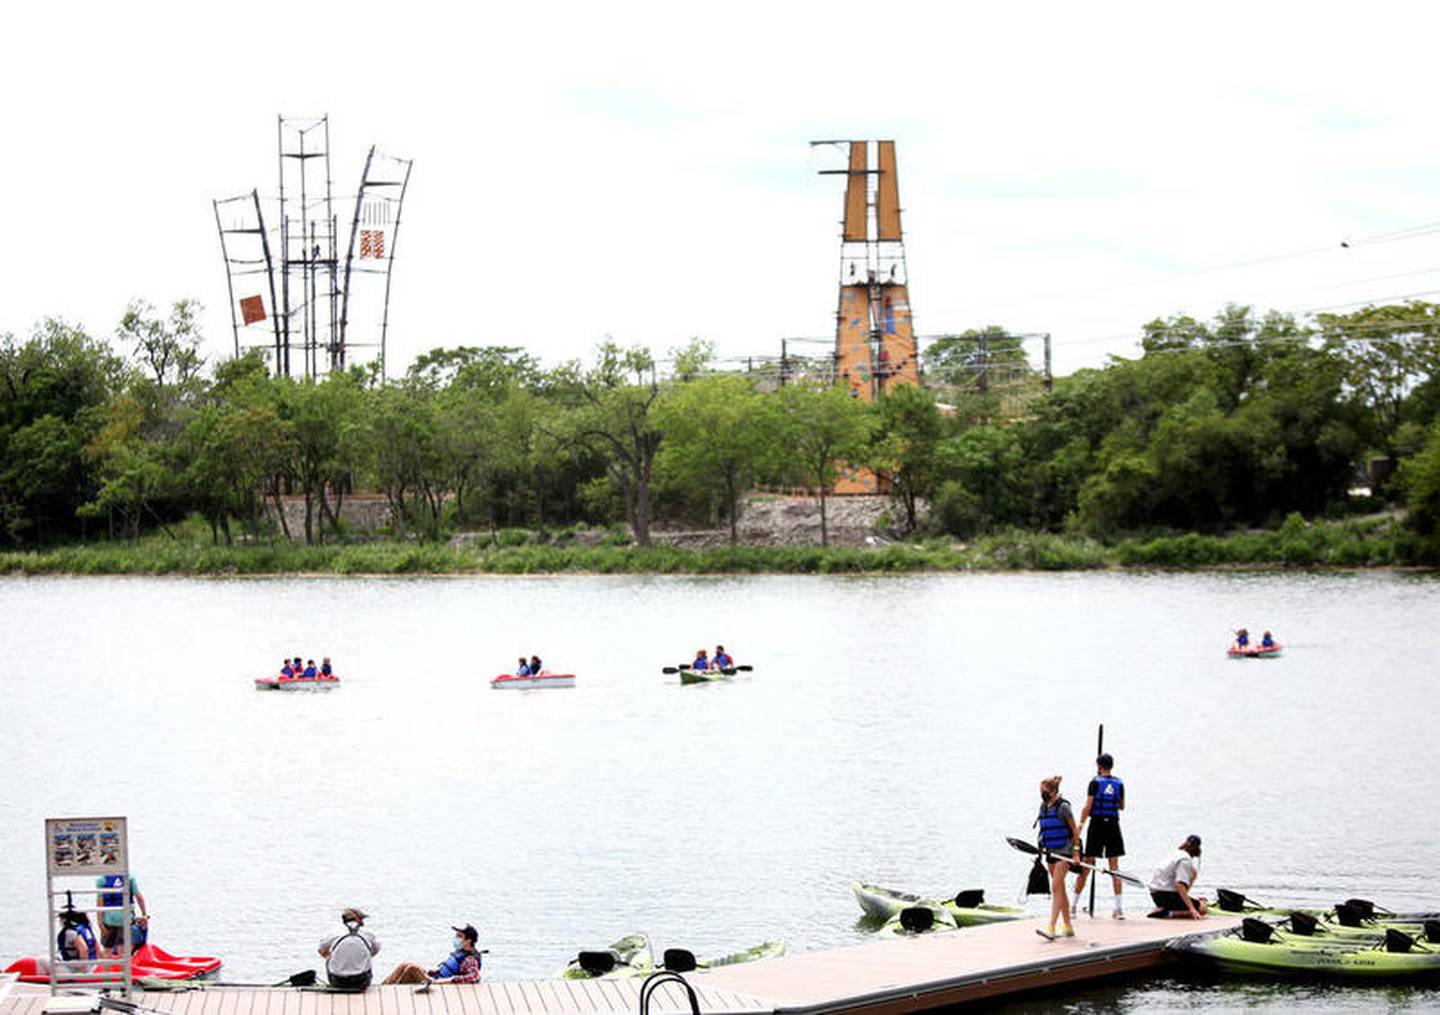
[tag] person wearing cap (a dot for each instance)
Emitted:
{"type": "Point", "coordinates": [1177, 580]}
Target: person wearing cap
{"type": "Point", "coordinates": [1170, 887]}
{"type": "Point", "coordinates": [722, 659]}
{"type": "Point", "coordinates": [347, 956]}
{"type": "Point", "coordinates": [462, 965]}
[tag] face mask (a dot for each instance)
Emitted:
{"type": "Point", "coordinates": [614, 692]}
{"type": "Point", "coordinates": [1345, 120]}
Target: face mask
{"type": "Point", "coordinates": [457, 944]}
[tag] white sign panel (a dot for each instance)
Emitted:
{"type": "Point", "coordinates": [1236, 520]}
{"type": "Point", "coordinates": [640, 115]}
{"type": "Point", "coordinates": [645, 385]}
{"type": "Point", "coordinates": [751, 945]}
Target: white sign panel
{"type": "Point", "coordinates": [85, 846]}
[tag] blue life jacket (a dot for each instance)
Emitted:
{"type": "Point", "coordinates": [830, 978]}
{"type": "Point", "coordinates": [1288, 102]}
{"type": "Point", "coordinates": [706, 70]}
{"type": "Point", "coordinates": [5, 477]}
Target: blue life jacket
{"type": "Point", "coordinates": [523, 671]}
{"type": "Point", "coordinates": [113, 898]}
{"type": "Point", "coordinates": [86, 935]}
{"type": "Point", "coordinates": [1109, 792]}
{"type": "Point", "coordinates": [286, 671]}
{"type": "Point", "coordinates": [326, 670]}
{"type": "Point", "coordinates": [310, 671]}
{"type": "Point", "coordinates": [1267, 642]}
{"type": "Point", "coordinates": [1242, 640]}
{"type": "Point", "coordinates": [452, 966]}
{"type": "Point", "coordinates": [700, 664]}
{"type": "Point", "coordinates": [1054, 830]}
{"type": "Point", "coordinates": [724, 662]}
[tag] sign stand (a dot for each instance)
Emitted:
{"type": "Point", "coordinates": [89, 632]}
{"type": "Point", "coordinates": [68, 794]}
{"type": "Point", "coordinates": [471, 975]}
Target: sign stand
{"type": "Point", "coordinates": [87, 848]}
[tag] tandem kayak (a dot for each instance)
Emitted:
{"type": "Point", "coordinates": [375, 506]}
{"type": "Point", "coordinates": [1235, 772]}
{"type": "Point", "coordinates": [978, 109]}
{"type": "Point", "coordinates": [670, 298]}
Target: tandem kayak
{"type": "Point", "coordinates": [704, 676]}
{"type": "Point", "coordinates": [1254, 652]}
{"type": "Point", "coordinates": [1265, 949]}
{"type": "Point", "coordinates": [148, 962]}
{"type": "Point", "coordinates": [296, 683]}
{"type": "Point", "coordinates": [542, 679]}
{"type": "Point", "coordinates": [968, 907]}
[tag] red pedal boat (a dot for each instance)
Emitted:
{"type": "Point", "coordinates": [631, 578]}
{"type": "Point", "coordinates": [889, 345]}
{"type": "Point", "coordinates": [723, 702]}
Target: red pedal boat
{"type": "Point", "coordinates": [542, 679]}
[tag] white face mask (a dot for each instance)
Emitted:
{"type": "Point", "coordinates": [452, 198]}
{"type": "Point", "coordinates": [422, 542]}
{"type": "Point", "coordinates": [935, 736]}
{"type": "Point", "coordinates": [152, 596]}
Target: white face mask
{"type": "Point", "coordinates": [458, 944]}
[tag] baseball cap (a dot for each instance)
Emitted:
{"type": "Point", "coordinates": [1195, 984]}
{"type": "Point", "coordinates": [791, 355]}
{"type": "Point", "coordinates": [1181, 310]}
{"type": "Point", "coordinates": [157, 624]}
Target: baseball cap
{"type": "Point", "coordinates": [468, 932]}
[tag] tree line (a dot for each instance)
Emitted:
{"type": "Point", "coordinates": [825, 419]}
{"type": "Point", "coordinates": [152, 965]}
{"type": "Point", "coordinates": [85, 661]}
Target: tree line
{"type": "Point", "coordinates": [1234, 422]}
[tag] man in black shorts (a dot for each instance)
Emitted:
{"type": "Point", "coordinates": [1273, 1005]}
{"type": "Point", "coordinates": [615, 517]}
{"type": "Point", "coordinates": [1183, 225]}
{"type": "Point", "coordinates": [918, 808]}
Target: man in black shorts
{"type": "Point", "coordinates": [1104, 801]}
{"type": "Point", "coordinates": [1170, 888]}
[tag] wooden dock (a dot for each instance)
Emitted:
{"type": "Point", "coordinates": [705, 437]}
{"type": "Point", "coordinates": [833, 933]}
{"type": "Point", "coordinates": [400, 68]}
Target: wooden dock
{"type": "Point", "coordinates": [883, 977]}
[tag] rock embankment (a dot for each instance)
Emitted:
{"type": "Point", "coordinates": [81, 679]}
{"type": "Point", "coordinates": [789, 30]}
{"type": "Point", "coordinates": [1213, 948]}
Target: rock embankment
{"type": "Point", "coordinates": [777, 520]}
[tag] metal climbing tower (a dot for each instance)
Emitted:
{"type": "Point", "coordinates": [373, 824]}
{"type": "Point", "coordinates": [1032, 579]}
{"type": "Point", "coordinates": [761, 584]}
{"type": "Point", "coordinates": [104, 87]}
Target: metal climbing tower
{"type": "Point", "coordinates": [313, 290]}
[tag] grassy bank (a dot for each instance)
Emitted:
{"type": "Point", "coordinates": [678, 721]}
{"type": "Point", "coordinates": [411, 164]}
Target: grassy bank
{"type": "Point", "coordinates": [1369, 543]}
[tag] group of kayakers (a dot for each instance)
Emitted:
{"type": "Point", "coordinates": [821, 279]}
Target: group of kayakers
{"type": "Point", "coordinates": [1242, 640]}
{"type": "Point", "coordinates": [293, 669]}
{"type": "Point", "coordinates": [1059, 839]}
{"type": "Point", "coordinates": [719, 661]}
{"type": "Point", "coordinates": [348, 957]}
{"type": "Point", "coordinates": [532, 668]}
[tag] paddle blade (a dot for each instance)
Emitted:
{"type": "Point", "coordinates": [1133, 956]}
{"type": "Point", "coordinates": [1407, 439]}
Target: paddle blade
{"type": "Point", "coordinates": [747, 668]}
{"type": "Point", "coordinates": [1023, 846]}
{"type": "Point", "coordinates": [669, 669]}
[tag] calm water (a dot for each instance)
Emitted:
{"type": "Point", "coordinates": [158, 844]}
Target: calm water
{"type": "Point", "coordinates": [894, 730]}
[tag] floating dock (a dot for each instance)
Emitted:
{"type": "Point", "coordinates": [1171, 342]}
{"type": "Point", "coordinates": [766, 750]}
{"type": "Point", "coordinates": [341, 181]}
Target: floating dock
{"type": "Point", "coordinates": [886, 977]}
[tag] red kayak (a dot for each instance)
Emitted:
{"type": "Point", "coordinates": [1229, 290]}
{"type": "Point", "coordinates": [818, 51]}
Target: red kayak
{"type": "Point", "coordinates": [1253, 652]}
{"type": "Point", "coordinates": [296, 683]}
{"type": "Point", "coordinates": [542, 679]}
{"type": "Point", "coordinates": [148, 961]}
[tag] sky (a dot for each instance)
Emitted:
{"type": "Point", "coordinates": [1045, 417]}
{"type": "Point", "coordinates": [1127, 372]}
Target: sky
{"type": "Point", "coordinates": [641, 171]}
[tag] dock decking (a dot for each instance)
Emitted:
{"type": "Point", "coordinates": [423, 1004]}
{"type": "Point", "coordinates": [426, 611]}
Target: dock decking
{"type": "Point", "coordinates": [885, 977]}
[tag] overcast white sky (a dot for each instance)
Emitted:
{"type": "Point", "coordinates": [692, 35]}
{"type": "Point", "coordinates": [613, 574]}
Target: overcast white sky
{"type": "Point", "coordinates": [642, 171]}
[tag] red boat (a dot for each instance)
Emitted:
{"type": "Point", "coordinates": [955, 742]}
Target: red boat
{"type": "Point", "coordinates": [1253, 651]}
{"type": "Point", "coordinates": [278, 683]}
{"type": "Point", "coordinates": [148, 961]}
{"type": "Point", "coordinates": [542, 679]}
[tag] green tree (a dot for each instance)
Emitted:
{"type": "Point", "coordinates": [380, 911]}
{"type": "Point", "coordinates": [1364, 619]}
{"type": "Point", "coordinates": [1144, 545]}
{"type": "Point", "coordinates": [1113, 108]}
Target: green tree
{"type": "Point", "coordinates": [907, 445]}
{"type": "Point", "coordinates": [820, 429]}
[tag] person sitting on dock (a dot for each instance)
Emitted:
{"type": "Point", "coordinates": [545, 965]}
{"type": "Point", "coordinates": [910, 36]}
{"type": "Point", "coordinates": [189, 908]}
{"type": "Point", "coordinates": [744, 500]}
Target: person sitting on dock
{"type": "Point", "coordinates": [1058, 838]}
{"type": "Point", "coordinates": [1266, 640]}
{"type": "Point", "coordinates": [536, 666]}
{"type": "Point", "coordinates": [76, 941]}
{"type": "Point", "coordinates": [702, 661]}
{"type": "Point", "coordinates": [722, 659]}
{"type": "Point", "coordinates": [522, 669]}
{"type": "Point", "coordinates": [1173, 880]}
{"type": "Point", "coordinates": [461, 966]}
{"type": "Point", "coordinates": [347, 956]}
{"type": "Point", "coordinates": [326, 670]}
{"type": "Point", "coordinates": [1104, 802]}
{"type": "Point", "coordinates": [310, 670]}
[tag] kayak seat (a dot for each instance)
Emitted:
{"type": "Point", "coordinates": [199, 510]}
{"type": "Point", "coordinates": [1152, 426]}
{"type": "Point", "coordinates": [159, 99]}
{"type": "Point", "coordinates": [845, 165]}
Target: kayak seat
{"type": "Point", "coordinates": [970, 898]}
{"type": "Point", "coordinates": [596, 963]}
{"type": "Point", "coordinates": [1257, 932]}
{"type": "Point", "coordinates": [1303, 923]}
{"type": "Point", "coordinates": [917, 919]}
{"type": "Point", "coordinates": [1349, 915]}
{"type": "Point", "coordinates": [1364, 907]}
{"type": "Point", "coordinates": [1398, 941]}
{"type": "Point", "coordinates": [679, 960]}
{"type": "Point", "coordinates": [1432, 931]}
{"type": "Point", "coordinates": [1231, 902]}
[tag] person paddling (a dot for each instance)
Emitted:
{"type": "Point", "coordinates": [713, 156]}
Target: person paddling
{"type": "Point", "coordinates": [1104, 801]}
{"type": "Point", "coordinates": [522, 668]}
{"type": "Point", "coordinates": [1170, 887]}
{"type": "Point", "coordinates": [1242, 639]}
{"type": "Point", "coordinates": [722, 659]}
{"type": "Point", "coordinates": [326, 670]}
{"type": "Point", "coordinates": [1267, 641]}
{"type": "Point", "coordinates": [1058, 837]}
{"type": "Point", "coordinates": [702, 661]}
{"type": "Point", "coordinates": [536, 666]}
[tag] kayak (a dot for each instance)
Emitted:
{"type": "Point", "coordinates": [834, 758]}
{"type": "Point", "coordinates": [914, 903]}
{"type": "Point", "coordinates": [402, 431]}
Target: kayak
{"type": "Point", "coordinates": [704, 676]}
{"type": "Point", "coordinates": [147, 963]}
{"type": "Point", "coordinates": [1286, 953]}
{"type": "Point", "coordinates": [542, 679]}
{"type": "Point", "coordinates": [921, 918]}
{"type": "Point", "coordinates": [630, 956]}
{"type": "Point", "coordinates": [884, 903]}
{"type": "Point", "coordinates": [764, 950]}
{"type": "Point", "coordinates": [1254, 652]}
{"type": "Point", "coordinates": [1233, 903]}
{"type": "Point", "coordinates": [296, 683]}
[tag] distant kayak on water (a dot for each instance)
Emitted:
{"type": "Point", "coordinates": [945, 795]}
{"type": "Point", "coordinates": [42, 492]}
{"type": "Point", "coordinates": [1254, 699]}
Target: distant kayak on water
{"type": "Point", "coordinates": [515, 681]}
{"type": "Point", "coordinates": [1243, 648]}
{"type": "Point", "coordinates": [280, 683]}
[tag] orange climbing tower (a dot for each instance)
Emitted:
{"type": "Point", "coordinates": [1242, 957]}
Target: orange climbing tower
{"type": "Point", "coordinates": [874, 335]}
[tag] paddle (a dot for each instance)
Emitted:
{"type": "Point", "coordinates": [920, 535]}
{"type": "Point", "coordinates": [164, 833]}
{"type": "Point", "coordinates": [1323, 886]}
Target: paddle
{"type": "Point", "coordinates": [674, 669]}
{"type": "Point", "coordinates": [1025, 847]}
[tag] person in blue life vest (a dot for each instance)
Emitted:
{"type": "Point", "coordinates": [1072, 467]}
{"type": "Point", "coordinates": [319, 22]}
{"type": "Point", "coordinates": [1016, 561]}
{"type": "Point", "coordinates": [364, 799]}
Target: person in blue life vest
{"type": "Point", "coordinates": [1104, 800]}
{"type": "Point", "coordinates": [76, 941]}
{"type": "Point", "coordinates": [326, 670]}
{"type": "Point", "coordinates": [722, 659]}
{"type": "Point", "coordinates": [702, 661]}
{"type": "Point", "coordinates": [462, 965]}
{"type": "Point", "coordinates": [112, 921]}
{"type": "Point", "coordinates": [1242, 639]}
{"type": "Point", "coordinates": [285, 670]}
{"type": "Point", "coordinates": [536, 666]}
{"type": "Point", "coordinates": [1060, 840]}
{"type": "Point", "coordinates": [1267, 641]}
{"type": "Point", "coordinates": [522, 668]}
{"type": "Point", "coordinates": [310, 670]}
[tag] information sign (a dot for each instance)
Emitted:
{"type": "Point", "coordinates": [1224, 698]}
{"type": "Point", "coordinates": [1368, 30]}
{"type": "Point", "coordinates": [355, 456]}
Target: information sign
{"type": "Point", "coordinates": [80, 846]}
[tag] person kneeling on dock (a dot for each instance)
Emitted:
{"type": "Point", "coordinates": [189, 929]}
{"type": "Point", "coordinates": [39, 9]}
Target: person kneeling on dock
{"type": "Point", "coordinates": [1170, 887]}
{"type": "Point", "coordinates": [461, 966]}
{"type": "Point", "coordinates": [347, 956]}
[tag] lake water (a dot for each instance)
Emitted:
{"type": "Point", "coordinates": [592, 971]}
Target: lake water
{"type": "Point", "coordinates": [894, 730]}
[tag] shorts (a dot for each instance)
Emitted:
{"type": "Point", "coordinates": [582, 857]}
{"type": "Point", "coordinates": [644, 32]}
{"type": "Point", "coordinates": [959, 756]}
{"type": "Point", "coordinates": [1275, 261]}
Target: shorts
{"type": "Point", "coordinates": [350, 981]}
{"type": "Point", "coordinates": [1104, 838]}
{"type": "Point", "coordinates": [1169, 901]}
{"type": "Point", "coordinates": [113, 938]}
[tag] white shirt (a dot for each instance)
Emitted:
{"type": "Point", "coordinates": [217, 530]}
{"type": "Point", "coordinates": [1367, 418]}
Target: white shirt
{"type": "Point", "coordinates": [1179, 869]}
{"type": "Point", "coordinates": [349, 953]}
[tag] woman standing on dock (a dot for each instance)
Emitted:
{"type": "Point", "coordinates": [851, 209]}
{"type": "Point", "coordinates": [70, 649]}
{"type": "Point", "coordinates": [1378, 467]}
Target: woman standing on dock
{"type": "Point", "coordinates": [1058, 837]}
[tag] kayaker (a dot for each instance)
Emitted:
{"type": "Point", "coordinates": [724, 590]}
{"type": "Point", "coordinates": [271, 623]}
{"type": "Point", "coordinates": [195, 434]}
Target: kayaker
{"type": "Point", "coordinates": [310, 670]}
{"type": "Point", "coordinates": [1104, 800]}
{"type": "Point", "coordinates": [461, 966]}
{"type": "Point", "coordinates": [1170, 887]}
{"type": "Point", "coordinates": [285, 670]}
{"type": "Point", "coordinates": [76, 941]}
{"type": "Point", "coordinates": [112, 921]}
{"type": "Point", "coordinates": [1266, 641]}
{"type": "Point", "coordinates": [347, 956]}
{"type": "Point", "coordinates": [722, 659]}
{"type": "Point", "coordinates": [536, 666]}
{"type": "Point", "coordinates": [326, 670]}
{"type": "Point", "coordinates": [1059, 838]}
{"type": "Point", "coordinates": [702, 661]}
{"type": "Point", "coordinates": [1242, 639]}
{"type": "Point", "coordinates": [523, 668]}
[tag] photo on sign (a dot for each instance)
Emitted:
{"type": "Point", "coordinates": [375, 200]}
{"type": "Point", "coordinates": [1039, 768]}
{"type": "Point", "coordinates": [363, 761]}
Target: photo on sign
{"type": "Point", "coordinates": [87, 849]}
{"type": "Point", "coordinates": [109, 848]}
{"type": "Point", "coordinates": [64, 851]}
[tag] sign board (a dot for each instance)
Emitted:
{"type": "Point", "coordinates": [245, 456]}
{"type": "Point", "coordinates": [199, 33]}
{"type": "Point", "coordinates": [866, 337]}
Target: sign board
{"type": "Point", "coordinates": [80, 846]}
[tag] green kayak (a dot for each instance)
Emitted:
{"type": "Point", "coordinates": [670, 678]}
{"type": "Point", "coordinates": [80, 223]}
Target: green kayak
{"type": "Point", "coordinates": [968, 908]}
{"type": "Point", "coordinates": [1285, 953]}
{"type": "Point", "coordinates": [630, 956]}
{"type": "Point", "coordinates": [704, 676]}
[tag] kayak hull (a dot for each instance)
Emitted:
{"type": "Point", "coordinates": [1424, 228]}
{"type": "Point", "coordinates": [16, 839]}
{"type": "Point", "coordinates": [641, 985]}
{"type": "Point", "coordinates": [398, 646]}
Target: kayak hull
{"type": "Point", "coordinates": [511, 681]}
{"type": "Point", "coordinates": [1254, 652]}
{"type": "Point", "coordinates": [703, 676]}
{"type": "Point", "coordinates": [296, 683]}
{"type": "Point", "coordinates": [1286, 956]}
